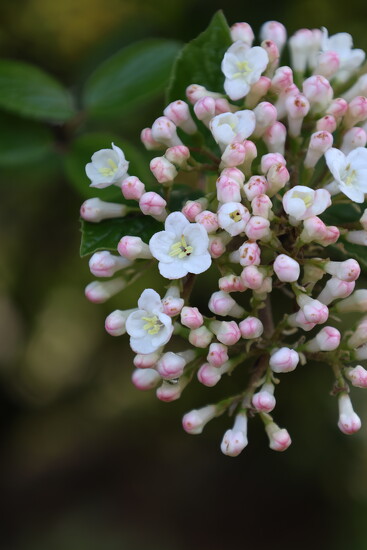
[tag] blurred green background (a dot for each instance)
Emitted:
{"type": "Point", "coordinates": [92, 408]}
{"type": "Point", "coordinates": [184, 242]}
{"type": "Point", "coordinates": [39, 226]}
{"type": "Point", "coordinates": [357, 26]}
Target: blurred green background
{"type": "Point", "coordinates": [88, 461]}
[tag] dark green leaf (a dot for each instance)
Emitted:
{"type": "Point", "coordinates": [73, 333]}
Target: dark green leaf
{"type": "Point", "coordinates": [30, 92]}
{"type": "Point", "coordinates": [337, 214]}
{"type": "Point", "coordinates": [80, 154]}
{"type": "Point", "coordinates": [345, 250]}
{"type": "Point", "coordinates": [180, 194]}
{"type": "Point", "coordinates": [132, 76]}
{"type": "Point", "coordinates": [200, 60]}
{"type": "Point", "coordinates": [106, 234]}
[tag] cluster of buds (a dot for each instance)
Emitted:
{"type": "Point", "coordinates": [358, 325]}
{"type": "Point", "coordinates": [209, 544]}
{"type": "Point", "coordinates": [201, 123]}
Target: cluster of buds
{"type": "Point", "coordinates": [287, 144]}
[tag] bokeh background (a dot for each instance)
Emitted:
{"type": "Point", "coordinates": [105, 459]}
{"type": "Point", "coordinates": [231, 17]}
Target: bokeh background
{"type": "Point", "coordinates": [88, 462]}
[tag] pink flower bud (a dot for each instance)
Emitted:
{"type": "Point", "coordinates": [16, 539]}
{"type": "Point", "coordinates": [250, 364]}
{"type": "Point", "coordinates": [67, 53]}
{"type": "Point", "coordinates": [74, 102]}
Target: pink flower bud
{"type": "Point", "coordinates": [318, 91]}
{"type": "Point", "coordinates": [221, 303]}
{"type": "Point", "coordinates": [353, 138]}
{"type": "Point", "coordinates": [172, 305]}
{"type": "Point", "coordinates": [191, 317]}
{"type": "Point", "coordinates": [359, 336]}
{"type": "Point", "coordinates": [284, 360]}
{"type": "Point", "coordinates": [356, 302]}
{"type": "Point", "coordinates": [313, 310]}
{"type": "Point", "coordinates": [358, 376]}
{"type": "Point", "coordinates": [257, 92]}
{"type": "Point", "coordinates": [349, 270]}
{"type": "Point", "coordinates": [208, 375]}
{"type": "Point", "coordinates": [133, 247]}
{"type": "Point", "coordinates": [249, 253]}
{"type": "Point", "coordinates": [258, 228]}
{"type": "Point", "coordinates": [235, 440]}
{"type": "Point", "coordinates": [105, 264]}
{"type": "Point", "coordinates": [266, 287]}
{"type": "Point", "coordinates": [227, 332]}
{"type": "Point", "coordinates": [327, 64]}
{"type": "Point", "coordinates": [194, 92]}
{"type": "Point", "coordinates": [95, 210]}
{"type": "Point", "coordinates": [204, 109]}
{"type": "Point", "coordinates": [243, 32]}
{"type": "Point", "coordinates": [326, 124]}
{"type": "Point", "coordinates": [278, 177]}
{"type": "Point", "coordinates": [357, 111]}
{"type": "Point", "coordinates": [234, 174]}
{"type": "Point", "coordinates": [216, 247]}
{"type": "Point", "coordinates": [357, 237]}
{"type": "Point", "coordinates": [169, 391]}
{"type": "Point", "coordinates": [228, 190]}
{"type": "Point", "coordinates": [331, 236]}
{"type": "Point", "coordinates": [300, 45]}
{"type": "Point", "coordinates": [164, 131]}
{"type": "Point", "coordinates": [200, 337]}
{"type": "Point", "coordinates": [349, 422]}
{"type": "Point", "coordinates": [274, 138]}
{"type": "Point", "coordinates": [218, 354]}
{"type": "Point", "coordinates": [266, 115]}
{"type": "Point", "coordinates": [275, 31]}
{"type": "Point", "coordinates": [145, 379]}
{"type": "Point", "coordinates": [314, 229]}
{"type": "Point", "coordinates": [297, 107]}
{"type": "Point", "coordinates": [149, 142]}
{"type": "Point", "coordinates": [273, 54]}
{"type": "Point", "coordinates": [267, 161]}
{"type": "Point", "coordinates": [194, 421]}
{"type": "Point", "coordinates": [193, 208]}
{"type": "Point", "coordinates": [337, 108]}
{"type": "Point", "coordinates": [233, 155]}
{"type": "Point", "coordinates": [252, 276]}
{"type": "Point", "coordinates": [251, 327]}
{"type": "Point", "coordinates": [299, 320]}
{"type": "Point", "coordinates": [320, 142]}
{"type": "Point", "coordinates": [99, 292]}
{"type": "Point", "coordinates": [231, 283]}
{"type": "Point", "coordinates": [132, 188]}
{"type": "Point", "coordinates": [152, 204]}
{"type": "Point", "coordinates": [286, 268]}
{"type": "Point", "coordinates": [163, 170]}
{"type": "Point", "coordinates": [261, 206]}
{"type": "Point", "coordinates": [208, 220]}
{"type": "Point", "coordinates": [334, 289]}
{"type": "Point", "coordinates": [171, 365]}
{"type": "Point", "coordinates": [250, 155]}
{"type": "Point", "coordinates": [328, 339]}
{"type": "Point", "coordinates": [115, 322]}
{"type": "Point", "coordinates": [178, 155]}
{"type": "Point", "coordinates": [279, 439]}
{"type": "Point", "coordinates": [282, 79]}
{"type": "Point", "coordinates": [179, 112]}
{"type": "Point", "coordinates": [264, 400]}
{"type": "Point", "coordinates": [147, 360]}
{"type": "Point", "coordinates": [256, 185]}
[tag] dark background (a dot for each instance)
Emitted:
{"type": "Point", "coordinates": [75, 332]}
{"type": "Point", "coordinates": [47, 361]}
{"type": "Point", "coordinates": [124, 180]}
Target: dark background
{"type": "Point", "coordinates": [88, 461]}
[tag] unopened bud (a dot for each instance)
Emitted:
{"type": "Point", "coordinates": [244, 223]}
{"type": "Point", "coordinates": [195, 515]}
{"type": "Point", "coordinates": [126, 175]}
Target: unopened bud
{"type": "Point", "coordinates": [235, 440]}
{"type": "Point", "coordinates": [284, 360]}
{"type": "Point", "coordinates": [105, 264]}
{"type": "Point", "coordinates": [115, 322]}
{"type": "Point", "coordinates": [132, 188]}
{"type": "Point", "coordinates": [146, 360]}
{"type": "Point", "coordinates": [275, 31]}
{"type": "Point", "coordinates": [327, 64]}
{"type": "Point", "coordinates": [297, 107]}
{"type": "Point", "coordinates": [163, 170]}
{"type": "Point", "coordinates": [249, 253]}
{"type": "Point", "coordinates": [205, 109]}
{"type": "Point", "coordinates": [164, 131]}
{"type": "Point", "coordinates": [194, 421]}
{"type": "Point", "coordinates": [145, 379]}
{"type": "Point", "coordinates": [209, 220]}
{"type": "Point", "coordinates": [177, 155]}
{"type": "Point", "coordinates": [357, 375]}
{"type": "Point", "coordinates": [99, 292]}
{"type": "Point", "coordinates": [179, 112]}
{"type": "Point", "coordinates": [169, 391]}
{"type": "Point", "coordinates": [251, 327]}
{"type": "Point", "coordinates": [95, 210]}
{"type": "Point", "coordinates": [227, 332]}
{"type": "Point", "coordinates": [243, 32]}
{"type": "Point", "coordinates": [261, 206]}
{"type": "Point", "coordinates": [171, 365]}
{"type": "Point", "coordinates": [353, 138]}
{"type": "Point", "coordinates": [328, 339]}
{"type": "Point", "coordinates": [359, 336]}
{"type": "Point", "coordinates": [326, 124]}
{"type": "Point", "coordinates": [228, 190]}
{"type": "Point", "coordinates": [152, 204]}
{"type": "Point", "coordinates": [200, 337]}
{"type": "Point", "coordinates": [191, 317]}
{"type": "Point", "coordinates": [231, 283]}
{"type": "Point", "coordinates": [319, 92]}
{"type": "Point", "coordinates": [221, 303]}
{"type": "Point", "coordinates": [313, 310]}
{"type": "Point", "coordinates": [257, 92]}
{"type": "Point", "coordinates": [193, 208]}
{"type": "Point", "coordinates": [337, 108]}
{"type": "Point", "coordinates": [349, 422]}
{"type": "Point", "coordinates": [264, 400]}
{"type": "Point", "coordinates": [320, 142]}
{"type": "Point", "coordinates": [357, 111]}
{"type": "Point", "coordinates": [133, 247]}
{"type": "Point", "coordinates": [256, 185]}
{"type": "Point", "coordinates": [194, 92]}
{"type": "Point", "coordinates": [266, 115]}
{"type": "Point", "coordinates": [279, 439]}
{"type": "Point", "coordinates": [287, 269]}
{"type": "Point", "coordinates": [274, 138]}
{"type": "Point", "coordinates": [349, 270]}
{"type": "Point", "coordinates": [217, 355]}
{"type": "Point", "coordinates": [258, 228]}
{"type": "Point", "coordinates": [233, 155]}
{"type": "Point", "coordinates": [253, 277]}
{"type": "Point", "coordinates": [149, 142]}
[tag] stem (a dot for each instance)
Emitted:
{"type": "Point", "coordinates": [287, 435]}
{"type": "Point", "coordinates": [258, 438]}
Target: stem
{"type": "Point", "coordinates": [266, 317]}
{"type": "Point", "coordinates": [260, 369]}
{"type": "Point", "coordinates": [188, 286]}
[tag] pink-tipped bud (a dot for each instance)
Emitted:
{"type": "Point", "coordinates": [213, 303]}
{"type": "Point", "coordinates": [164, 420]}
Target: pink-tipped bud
{"type": "Point", "coordinates": [271, 159]}
{"type": "Point", "coordinates": [331, 237]}
{"type": "Point", "coordinates": [146, 360]}
{"type": "Point", "coordinates": [327, 64]}
{"type": "Point", "coordinates": [99, 292]}
{"type": "Point", "coordinates": [337, 108]}
{"type": "Point", "coordinates": [217, 355]}
{"type": "Point", "coordinates": [275, 31]}
{"type": "Point", "coordinates": [258, 228]}
{"type": "Point", "coordinates": [261, 206]}
{"type": "Point", "coordinates": [284, 360]}
{"type": "Point", "coordinates": [249, 254]}
{"type": "Point", "coordinates": [357, 237]}
{"type": "Point", "coordinates": [243, 32]}
{"type": "Point", "coordinates": [328, 339]}
{"type": "Point", "coordinates": [356, 302]}
{"type": "Point", "coordinates": [133, 247]}
{"type": "Point", "coordinates": [193, 208]}
{"type": "Point", "coordinates": [132, 188]}
{"type": "Point", "coordinates": [278, 176]}
{"type": "Point", "coordinates": [169, 391]}
{"type": "Point", "coordinates": [94, 210]}
{"type": "Point", "coordinates": [194, 421]}
{"type": "Point", "coordinates": [191, 317]}
{"type": "Point", "coordinates": [233, 155]}
{"type": "Point", "coordinates": [266, 288]}
{"type": "Point", "coordinates": [320, 142]}
{"type": "Point", "coordinates": [216, 247]}
{"type": "Point", "coordinates": [179, 112]}
{"type": "Point", "coordinates": [279, 439]}
{"type": "Point", "coordinates": [257, 92]}
{"type": "Point", "coordinates": [349, 270]}
{"type": "Point", "coordinates": [231, 283]}
{"type": "Point", "coordinates": [256, 185]}
{"type": "Point", "coordinates": [299, 320]}
{"type": "Point", "coordinates": [227, 332]}
{"type": "Point", "coordinates": [163, 170]}
{"type": "Point", "coordinates": [152, 204]}
{"type": "Point", "coordinates": [251, 327]}
{"type": "Point", "coordinates": [172, 305]}
{"type": "Point", "coordinates": [264, 400]}
{"type": "Point", "coordinates": [200, 337]}
{"type": "Point", "coordinates": [359, 88]}
{"type": "Point", "coordinates": [266, 115]}
{"type": "Point", "coordinates": [221, 303]}
{"type": "Point", "coordinates": [164, 131]}
{"type": "Point", "coordinates": [313, 310]}
{"type": "Point", "coordinates": [149, 142]}
{"type": "Point", "coordinates": [357, 111]}
{"type": "Point", "coordinates": [105, 264]}
{"type": "Point", "coordinates": [208, 375]}
{"type": "Point", "coordinates": [300, 44]}
{"type": "Point", "coordinates": [252, 276]}
{"type": "Point", "coordinates": [194, 92]}
{"type": "Point", "coordinates": [250, 155]}
{"type": "Point", "coordinates": [228, 190]}
{"type": "Point", "coordinates": [273, 54]}
{"type": "Point", "coordinates": [205, 109]}
{"type": "Point", "coordinates": [349, 422]}
{"type": "Point", "coordinates": [274, 138]}
{"type": "Point", "coordinates": [282, 79]}
{"type": "Point", "coordinates": [357, 375]}
{"type": "Point", "coordinates": [287, 269]}
{"type": "Point", "coordinates": [297, 107]}
{"type": "Point", "coordinates": [318, 91]}
{"type": "Point", "coordinates": [115, 322]}
{"type": "Point", "coordinates": [359, 336]}
{"type": "Point", "coordinates": [171, 365]}
{"type": "Point", "coordinates": [177, 155]}
{"type": "Point", "coordinates": [314, 229]}
{"type": "Point", "coordinates": [235, 440]}
{"type": "Point", "coordinates": [353, 138]}
{"type": "Point", "coordinates": [326, 124]}
{"type": "Point", "coordinates": [208, 220]}
{"type": "Point", "coordinates": [234, 174]}
{"type": "Point", "coordinates": [335, 289]}
{"type": "Point", "coordinates": [145, 379]}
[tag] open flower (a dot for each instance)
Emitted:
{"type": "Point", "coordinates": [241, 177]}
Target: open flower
{"type": "Point", "coordinates": [149, 328]}
{"type": "Point", "coordinates": [342, 44]}
{"type": "Point", "coordinates": [232, 127]}
{"type": "Point", "coordinates": [182, 248]}
{"type": "Point", "coordinates": [302, 202]}
{"type": "Point", "coordinates": [108, 166]}
{"type": "Point", "coordinates": [233, 217]}
{"type": "Point", "coordinates": [242, 66]}
{"type": "Point", "coordinates": [350, 172]}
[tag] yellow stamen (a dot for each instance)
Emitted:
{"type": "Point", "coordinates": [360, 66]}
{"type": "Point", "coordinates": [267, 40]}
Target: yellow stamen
{"type": "Point", "coordinates": [306, 197]}
{"type": "Point", "coordinates": [236, 216]}
{"type": "Point", "coordinates": [153, 325]}
{"type": "Point", "coordinates": [243, 69]}
{"type": "Point", "coordinates": [350, 176]}
{"type": "Point", "coordinates": [105, 171]}
{"type": "Point", "coordinates": [181, 249]}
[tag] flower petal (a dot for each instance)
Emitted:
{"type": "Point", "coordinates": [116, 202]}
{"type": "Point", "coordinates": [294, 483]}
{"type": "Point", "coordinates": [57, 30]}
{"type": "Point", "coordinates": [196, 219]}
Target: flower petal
{"type": "Point", "coordinates": [160, 245]}
{"type": "Point", "coordinates": [236, 88]}
{"type": "Point", "coordinates": [174, 270]}
{"type": "Point", "coordinates": [150, 301]}
{"type": "Point", "coordinates": [176, 223]}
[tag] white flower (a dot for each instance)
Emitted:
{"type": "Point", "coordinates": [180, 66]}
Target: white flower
{"type": "Point", "coordinates": [232, 127]}
{"type": "Point", "coordinates": [108, 166]}
{"type": "Point", "coordinates": [242, 66]}
{"type": "Point", "coordinates": [342, 44]}
{"type": "Point", "coordinates": [182, 248]}
{"type": "Point", "coordinates": [350, 172]}
{"type": "Point", "coordinates": [149, 328]}
{"type": "Point", "coordinates": [233, 217]}
{"type": "Point", "coordinates": [301, 202]}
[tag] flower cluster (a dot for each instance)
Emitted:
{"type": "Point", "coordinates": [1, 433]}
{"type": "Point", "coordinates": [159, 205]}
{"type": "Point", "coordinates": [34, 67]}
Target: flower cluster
{"type": "Point", "coordinates": [286, 154]}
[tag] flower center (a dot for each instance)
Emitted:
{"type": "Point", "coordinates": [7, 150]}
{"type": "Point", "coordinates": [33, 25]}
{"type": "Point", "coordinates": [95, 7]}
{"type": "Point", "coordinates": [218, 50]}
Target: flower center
{"type": "Point", "coordinates": [350, 176]}
{"type": "Point", "coordinates": [181, 249]}
{"type": "Point", "coordinates": [236, 216]}
{"type": "Point", "coordinates": [243, 69]}
{"type": "Point", "coordinates": [153, 325]}
{"type": "Point", "coordinates": [306, 197]}
{"type": "Point", "coordinates": [109, 170]}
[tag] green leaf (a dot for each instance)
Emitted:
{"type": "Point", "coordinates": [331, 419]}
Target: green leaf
{"type": "Point", "coordinates": [106, 234]}
{"type": "Point", "coordinates": [337, 214]}
{"type": "Point", "coordinates": [200, 60]}
{"type": "Point", "coordinates": [22, 142]}
{"type": "Point", "coordinates": [80, 154]}
{"type": "Point", "coordinates": [131, 77]}
{"type": "Point", "coordinates": [30, 92]}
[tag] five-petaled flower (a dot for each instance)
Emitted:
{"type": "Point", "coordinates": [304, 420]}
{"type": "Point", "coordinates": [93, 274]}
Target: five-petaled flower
{"type": "Point", "coordinates": [350, 172]}
{"type": "Point", "coordinates": [108, 166]}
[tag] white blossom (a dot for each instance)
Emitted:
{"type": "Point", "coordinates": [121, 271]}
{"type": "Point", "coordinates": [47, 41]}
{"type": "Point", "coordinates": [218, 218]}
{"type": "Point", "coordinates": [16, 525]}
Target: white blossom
{"type": "Point", "coordinates": [302, 202]}
{"type": "Point", "coordinates": [349, 171]}
{"type": "Point", "coordinates": [233, 217]}
{"type": "Point", "coordinates": [342, 44]}
{"type": "Point", "coordinates": [108, 166]}
{"type": "Point", "coordinates": [232, 127]}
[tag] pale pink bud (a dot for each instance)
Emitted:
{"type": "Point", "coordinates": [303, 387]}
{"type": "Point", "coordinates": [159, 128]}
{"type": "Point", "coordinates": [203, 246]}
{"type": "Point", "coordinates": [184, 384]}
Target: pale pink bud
{"type": "Point", "coordinates": [235, 440]}
{"type": "Point", "coordinates": [172, 305]}
{"type": "Point", "coordinates": [115, 322]}
{"type": "Point", "coordinates": [258, 228]}
{"type": "Point", "coordinates": [284, 360]}
{"type": "Point", "coordinates": [251, 327]}
{"type": "Point", "coordinates": [357, 375]}
{"type": "Point", "coordinates": [361, 353]}
{"type": "Point", "coordinates": [334, 289]}
{"type": "Point", "coordinates": [233, 155]}
{"type": "Point", "coordinates": [300, 45]}
{"type": "Point", "coordinates": [105, 264]}
{"type": "Point", "coordinates": [193, 208]}
{"type": "Point", "coordinates": [327, 64]}
{"type": "Point", "coordinates": [228, 190]}
{"type": "Point", "coordinates": [95, 210]}
{"type": "Point", "coordinates": [274, 138]}
{"type": "Point", "coordinates": [231, 283]}
{"type": "Point", "coordinates": [314, 229]}
{"type": "Point", "coordinates": [331, 236]}
{"type": "Point", "coordinates": [204, 109]}
{"type": "Point", "coordinates": [278, 176]}
{"type": "Point", "coordinates": [243, 32]}
{"type": "Point", "coordinates": [261, 206]}
{"type": "Point", "coordinates": [250, 155]}
{"type": "Point", "coordinates": [149, 142]}
{"type": "Point", "coordinates": [353, 138]}
{"type": "Point", "coordinates": [145, 379]}
{"type": "Point", "coordinates": [318, 91]}
{"type": "Point", "coordinates": [164, 131]}
{"type": "Point", "coordinates": [328, 339]}
{"type": "Point", "coordinates": [257, 92]}
{"type": "Point", "coordinates": [217, 355]}
{"type": "Point", "coordinates": [146, 360]}
{"type": "Point", "coordinates": [320, 142]}
{"type": "Point", "coordinates": [256, 185]}
{"type": "Point", "coordinates": [275, 31]}
{"type": "Point", "coordinates": [349, 422]}
{"type": "Point", "coordinates": [313, 310]}
{"type": "Point", "coordinates": [208, 375]}
{"type": "Point", "coordinates": [273, 54]}
{"type": "Point", "coordinates": [357, 237]}
{"type": "Point", "coordinates": [326, 124]}
{"type": "Point", "coordinates": [279, 439]}
{"type": "Point", "coordinates": [200, 337]}
{"type": "Point", "coordinates": [170, 365]}
{"type": "Point", "coordinates": [359, 88]}
{"type": "Point", "coordinates": [194, 421]}
{"type": "Point", "coordinates": [299, 320]}
{"type": "Point", "coordinates": [234, 174]}
{"type": "Point", "coordinates": [194, 92]}
{"type": "Point", "coordinates": [357, 111]}
{"type": "Point", "coordinates": [363, 220]}
{"type": "Point", "coordinates": [249, 253]}
{"type": "Point", "coordinates": [266, 287]}
{"type": "Point", "coordinates": [191, 317]}
{"type": "Point", "coordinates": [280, 104]}
{"type": "Point", "coordinates": [337, 108]}
{"type": "Point", "coordinates": [356, 302]}
{"type": "Point", "coordinates": [208, 220]}
{"type": "Point", "coordinates": [179, 112]}
{"type": "Point", "coordinates": [286, 268]}
{"type": "Point", "coordinates": [132, 188]}
{"type": "Point", "coordinates": [271, 159]}
{"type": "Point", "coordinates": [216, 247]}
{"type": "Point", "coordinates": [227, 332]}
{"type": "Point", "coordinates": [359, 336]}
{"type": "Point", "coordinates": [221, 303]}
{"type": "Point", "coordinates": [152, 204]}
{"type": "Point", "coordinates": [264, 400]}
{"type": "Point", "coordinates": [133, 247]}
{"type": "Point", "coordinates": [252, 276]}
{"type": "Point", "coordinates": [163, 170]}
{"type": "Point", "coordinates": [99, 292]}
{"type": "Point", "coordinates": [169, 391]}
{"type": "Point", "coordinates": [178, 155]}
{"type": "Point", "coordinates": [282, 79]}
{"type": "Point", "coordinates": [266, 115]}
{"type": "Point", "coordinates": [297, 107]}
{"type": "Point", "coordinates": [349, 270]}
